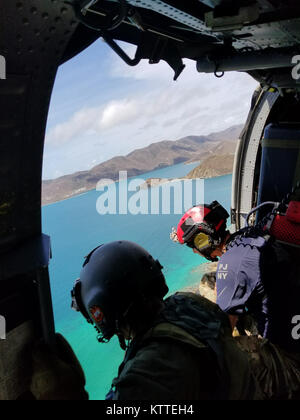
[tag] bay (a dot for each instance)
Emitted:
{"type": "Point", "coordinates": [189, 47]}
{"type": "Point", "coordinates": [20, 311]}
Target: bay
{"type": "Point", "coordinates": [76, 228]}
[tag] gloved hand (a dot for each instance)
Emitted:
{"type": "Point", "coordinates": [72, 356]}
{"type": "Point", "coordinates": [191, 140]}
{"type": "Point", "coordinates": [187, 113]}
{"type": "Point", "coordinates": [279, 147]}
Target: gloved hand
{"type": "Point", "coordinates": [57, 376]}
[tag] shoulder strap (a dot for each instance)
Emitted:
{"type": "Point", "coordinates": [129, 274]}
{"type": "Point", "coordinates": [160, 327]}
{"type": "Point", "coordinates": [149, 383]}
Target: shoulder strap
{"type": "Point", "coordinates": [190, 319]}
{"type": "Point", "coordinates": [199, 318]}
{"type": "Point", "coordinates": [251, 236]}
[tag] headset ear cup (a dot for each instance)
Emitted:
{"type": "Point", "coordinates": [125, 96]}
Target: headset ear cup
{"type": "Point", "coordinates": [77, 303]}
{"type": "Point", "coordinates": [202, 241]}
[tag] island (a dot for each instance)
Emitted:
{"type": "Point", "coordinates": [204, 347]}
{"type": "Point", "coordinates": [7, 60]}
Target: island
{"type": "Point", "coordinates": [215, 152]}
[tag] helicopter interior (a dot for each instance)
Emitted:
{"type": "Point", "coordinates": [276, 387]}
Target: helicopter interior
{"type": "Point", "coordinates": [260, 37]}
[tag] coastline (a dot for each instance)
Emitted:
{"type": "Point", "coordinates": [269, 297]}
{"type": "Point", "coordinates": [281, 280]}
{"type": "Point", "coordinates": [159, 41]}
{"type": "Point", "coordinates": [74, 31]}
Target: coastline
{"type": "Point", "coordinates": [147, 184]}
{"type": "Point", "coordinates": [206, 285]}
{"type": "Point", "coordinates": [129, 178]}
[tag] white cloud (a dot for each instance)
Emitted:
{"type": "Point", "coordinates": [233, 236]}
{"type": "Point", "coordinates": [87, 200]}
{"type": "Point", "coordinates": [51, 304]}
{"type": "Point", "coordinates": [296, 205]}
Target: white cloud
{"type": "Point", "coordinates": [89, 121]}
{"type": "Point", "coordinates": [80, 122]}
{"type": "Point", "coordinates": [153, 108]}
{"type": "Point", "coordinates": [119, 112]}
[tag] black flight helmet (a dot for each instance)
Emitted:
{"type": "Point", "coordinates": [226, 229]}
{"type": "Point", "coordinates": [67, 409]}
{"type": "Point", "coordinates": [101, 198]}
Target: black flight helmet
{"type": "Point", "coordinates": [114, 277]}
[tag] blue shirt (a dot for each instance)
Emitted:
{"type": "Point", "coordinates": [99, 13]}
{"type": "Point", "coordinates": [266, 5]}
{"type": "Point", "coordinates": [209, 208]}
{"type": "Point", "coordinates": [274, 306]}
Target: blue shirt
{"type": "Point", "coordinates": [263, 280]}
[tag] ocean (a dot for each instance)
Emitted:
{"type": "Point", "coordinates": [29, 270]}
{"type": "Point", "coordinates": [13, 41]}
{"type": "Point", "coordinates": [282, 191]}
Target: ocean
{"type": "Point", "coordinates": [76, 228]}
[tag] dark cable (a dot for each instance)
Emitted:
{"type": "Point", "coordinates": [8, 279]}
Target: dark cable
{"type": "Point", "coordinates": [260, 228]}
{"type": "Point", "coordinates": [288, 197]}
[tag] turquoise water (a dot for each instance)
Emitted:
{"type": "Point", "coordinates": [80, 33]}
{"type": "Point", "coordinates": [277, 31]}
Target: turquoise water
{"type": "Point", "coordinates": [76, 228]}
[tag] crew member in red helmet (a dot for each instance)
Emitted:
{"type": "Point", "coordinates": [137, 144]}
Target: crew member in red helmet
{"type": "Point", "coordinates": [257, 274]}
{"type": "Point", "coordinates": [203, 228]}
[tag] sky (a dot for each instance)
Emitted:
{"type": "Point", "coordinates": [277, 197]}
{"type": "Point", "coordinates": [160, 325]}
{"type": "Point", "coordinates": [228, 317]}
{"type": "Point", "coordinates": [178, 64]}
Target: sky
{"type": "Point", "coordinates": [102, 108]}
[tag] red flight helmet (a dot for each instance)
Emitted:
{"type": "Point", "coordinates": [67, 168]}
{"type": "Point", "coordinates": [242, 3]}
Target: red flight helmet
{"type": "Point", "coordinates": [203, 228]}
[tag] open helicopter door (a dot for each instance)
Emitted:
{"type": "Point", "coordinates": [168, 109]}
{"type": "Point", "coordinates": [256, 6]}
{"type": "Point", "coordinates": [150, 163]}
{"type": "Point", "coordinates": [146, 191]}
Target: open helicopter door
{"type": "Point", "coordinates": [34, 39]}
{"type": "Point", "coordinates": [267, 162]}
{"type": "Point", "coordinates": [247, 154]}
{"type": "Point", "coordinates": [280, 164]}
{"type": "Point", "coordinates": [26, 313]}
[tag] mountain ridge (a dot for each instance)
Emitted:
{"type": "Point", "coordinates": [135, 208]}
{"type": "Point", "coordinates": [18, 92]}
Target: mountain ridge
{"type": "Point", "coordinates": [155, 156]}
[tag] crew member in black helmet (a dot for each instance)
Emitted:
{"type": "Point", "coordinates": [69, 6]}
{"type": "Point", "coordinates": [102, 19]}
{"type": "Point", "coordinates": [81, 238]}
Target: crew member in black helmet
{"type": "Point", "coordinates": [179, 348]}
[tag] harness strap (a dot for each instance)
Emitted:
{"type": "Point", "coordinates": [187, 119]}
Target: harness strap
{"type": "Point", "coordinates": [200, 324]}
